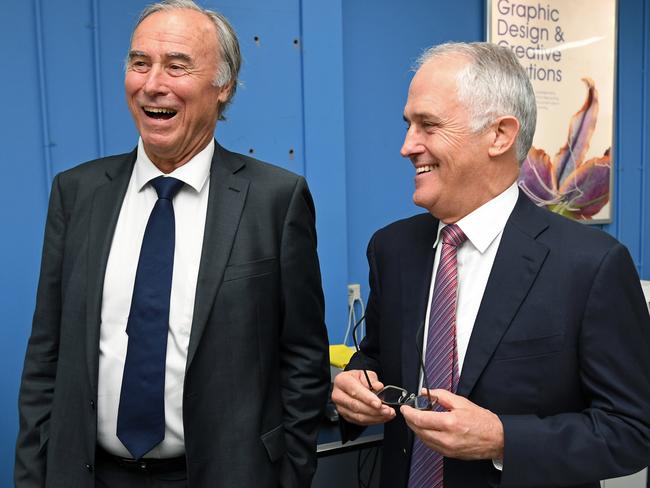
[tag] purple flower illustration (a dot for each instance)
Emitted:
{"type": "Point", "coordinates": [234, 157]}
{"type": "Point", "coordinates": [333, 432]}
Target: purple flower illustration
{"type": "Point", "coordinates": [568, 184]}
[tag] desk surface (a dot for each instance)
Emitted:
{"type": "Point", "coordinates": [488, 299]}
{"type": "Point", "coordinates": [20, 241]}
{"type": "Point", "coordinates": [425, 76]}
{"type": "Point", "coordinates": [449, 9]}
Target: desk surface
{"type": "Point", "coordinates": [329, 439]}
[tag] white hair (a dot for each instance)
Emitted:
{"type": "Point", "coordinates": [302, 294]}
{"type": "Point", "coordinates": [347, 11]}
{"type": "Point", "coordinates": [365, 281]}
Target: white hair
{"type": "Point", "coordinates": [491, 85]}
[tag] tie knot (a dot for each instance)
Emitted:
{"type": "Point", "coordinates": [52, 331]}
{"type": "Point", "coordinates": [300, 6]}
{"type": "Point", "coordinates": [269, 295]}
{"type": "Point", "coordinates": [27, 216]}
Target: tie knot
{"type": "Point", "coordinates": [452, 235]}
{"type": "Point", "coordinates": [166, 187]}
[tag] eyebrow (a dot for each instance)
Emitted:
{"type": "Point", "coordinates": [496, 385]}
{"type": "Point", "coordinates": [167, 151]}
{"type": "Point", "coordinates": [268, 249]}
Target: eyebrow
{"type": "Point", "coordinates": [168, 56]}
{"type": "Point", "coordinates": [180, 56]}
{"type": "Point", "coordinates": [422, 116]}
{"type": "Point", "coordinates": [136, 54]}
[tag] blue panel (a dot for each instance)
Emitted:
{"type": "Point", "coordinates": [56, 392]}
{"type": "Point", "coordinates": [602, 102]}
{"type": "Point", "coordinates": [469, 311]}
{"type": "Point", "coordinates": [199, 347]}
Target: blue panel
{"type": "Point", "coordinates": [22, 209]}
{"type": "Point", "coordinates": [325, 155]}
{"type": "Point", "coordinates": [67, 37]}
{"type": "Point", "coordinates": [381, 43]}
{"type": "Point", "coordinates": [265, 119]}
{"type": "Point", "coordinates": [628, 160]}
{"type": "Point", "coordinates": [116, 21]}
{"type": "Point", "coordinates": [644, 267]}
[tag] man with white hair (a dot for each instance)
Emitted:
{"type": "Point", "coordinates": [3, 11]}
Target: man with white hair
{"type": "Point", "coordinates": [178, 338]}
{"type": "Point", "coordinates": [532, 330]}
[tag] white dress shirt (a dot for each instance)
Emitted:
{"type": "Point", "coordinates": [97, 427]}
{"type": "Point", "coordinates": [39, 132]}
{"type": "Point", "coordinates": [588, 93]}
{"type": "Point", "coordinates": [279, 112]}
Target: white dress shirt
{"type": "Point", "coordinates": [190, 207]}
{"type": "Point", "coordinates": [483, 228]}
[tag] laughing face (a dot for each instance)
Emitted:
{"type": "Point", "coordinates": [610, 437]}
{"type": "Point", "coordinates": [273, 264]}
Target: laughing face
{"type": "Point", "coordinates": [451, 162]}
{"type": "Point", "coordinates": [172, 64]}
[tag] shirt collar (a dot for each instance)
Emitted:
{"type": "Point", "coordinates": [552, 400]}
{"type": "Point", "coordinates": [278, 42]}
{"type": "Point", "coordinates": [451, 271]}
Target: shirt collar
{"type": "Point", "coordinates": [194, 173]}
{"type": "Point", "coordinates": [485, 223]}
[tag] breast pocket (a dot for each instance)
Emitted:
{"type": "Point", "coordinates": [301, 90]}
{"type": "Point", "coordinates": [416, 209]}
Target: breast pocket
{"type": "Point", "coordinates": [251, 269]}
{"type": "Point", "coordinates": [529, 348]}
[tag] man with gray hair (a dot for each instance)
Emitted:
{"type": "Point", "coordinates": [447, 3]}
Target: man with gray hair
{"type": "Point", "coordinates": [506, 345]}
{"type": "Point", "coordinates": [178, 338]}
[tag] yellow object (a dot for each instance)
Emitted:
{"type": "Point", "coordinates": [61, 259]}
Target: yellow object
{"type": "Point", "coordinates": [340, 355]}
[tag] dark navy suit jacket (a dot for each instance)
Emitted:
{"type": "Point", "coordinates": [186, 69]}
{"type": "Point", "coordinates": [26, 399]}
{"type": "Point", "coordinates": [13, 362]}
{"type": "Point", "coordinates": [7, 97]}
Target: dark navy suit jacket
{"type": "Point", "coordinates": [560, 350]}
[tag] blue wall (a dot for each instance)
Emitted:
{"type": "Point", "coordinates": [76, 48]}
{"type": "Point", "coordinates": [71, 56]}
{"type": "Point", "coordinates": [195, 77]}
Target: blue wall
{"type": "Point", "coordinates": [381, 45]}
{"type": "Point", "coordinates": [324, 87]}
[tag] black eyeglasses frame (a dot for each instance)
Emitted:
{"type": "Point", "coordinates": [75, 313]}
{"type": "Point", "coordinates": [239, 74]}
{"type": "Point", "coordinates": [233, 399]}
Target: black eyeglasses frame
{"type": "Point", "coordinates": [419, 402]}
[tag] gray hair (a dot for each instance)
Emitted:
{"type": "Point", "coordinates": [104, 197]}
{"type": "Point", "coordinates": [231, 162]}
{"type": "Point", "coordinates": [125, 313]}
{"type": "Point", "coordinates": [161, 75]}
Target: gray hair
{"type": "Point", "coordinates": [229, 55]}
{"type": "Point", "coordinates": [492, 84]}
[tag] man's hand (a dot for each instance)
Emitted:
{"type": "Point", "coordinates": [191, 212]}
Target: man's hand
{"type": "Point", "coordinates": [356, 403]}
{"type": "Point", "coordinates": [466, 431]}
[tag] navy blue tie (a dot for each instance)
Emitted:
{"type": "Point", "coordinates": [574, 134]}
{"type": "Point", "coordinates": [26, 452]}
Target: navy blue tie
{"type": "Point", "coordinates": [141, 414]}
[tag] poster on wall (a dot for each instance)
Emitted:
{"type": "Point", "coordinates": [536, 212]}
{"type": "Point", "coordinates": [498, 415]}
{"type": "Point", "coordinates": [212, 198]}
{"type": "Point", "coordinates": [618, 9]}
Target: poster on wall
{"type": "Point", "coordinates": [568, 50]}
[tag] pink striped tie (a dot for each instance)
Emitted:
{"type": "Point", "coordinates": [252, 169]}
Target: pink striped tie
{"type": "Point", "coordinates": [441, 363]}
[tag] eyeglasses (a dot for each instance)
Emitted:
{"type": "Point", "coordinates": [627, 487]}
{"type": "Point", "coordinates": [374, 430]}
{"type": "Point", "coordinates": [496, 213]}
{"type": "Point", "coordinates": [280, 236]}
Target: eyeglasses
{"type": "Point", "coordinates": [396, 396]}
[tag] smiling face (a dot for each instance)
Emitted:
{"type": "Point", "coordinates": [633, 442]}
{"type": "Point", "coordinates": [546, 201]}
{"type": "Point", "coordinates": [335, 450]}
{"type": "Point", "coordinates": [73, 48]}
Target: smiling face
{"type": "Point", "coordinates": [451, 162]}
{"type": "Point", "coordinates": [172, 64]}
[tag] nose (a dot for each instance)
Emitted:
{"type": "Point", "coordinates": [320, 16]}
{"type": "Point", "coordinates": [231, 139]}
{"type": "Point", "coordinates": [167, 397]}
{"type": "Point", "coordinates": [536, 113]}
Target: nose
{"type": "Point", "coordinates": [412, 144]}
{"type": "Point", "coordinates": [155, 83]}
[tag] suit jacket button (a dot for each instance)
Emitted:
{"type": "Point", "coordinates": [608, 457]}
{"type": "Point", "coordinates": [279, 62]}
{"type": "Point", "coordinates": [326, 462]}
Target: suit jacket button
{"type": "Point", "coordinates": [92, 404]}
{"type": "Point", "coordinates": [404, 451]}
{"type": "Point", "coordinates": [89, 467]}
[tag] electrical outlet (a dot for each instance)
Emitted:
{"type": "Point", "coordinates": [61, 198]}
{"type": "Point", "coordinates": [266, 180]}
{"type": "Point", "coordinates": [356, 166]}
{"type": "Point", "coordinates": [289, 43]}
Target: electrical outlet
{"type": "Point", "coordinates": [354, 293]}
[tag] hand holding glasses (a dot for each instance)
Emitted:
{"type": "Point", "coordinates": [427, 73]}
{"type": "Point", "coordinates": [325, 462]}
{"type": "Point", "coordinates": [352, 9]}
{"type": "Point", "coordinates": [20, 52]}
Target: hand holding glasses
{"type": "Point", "coordinates": [396, 396]}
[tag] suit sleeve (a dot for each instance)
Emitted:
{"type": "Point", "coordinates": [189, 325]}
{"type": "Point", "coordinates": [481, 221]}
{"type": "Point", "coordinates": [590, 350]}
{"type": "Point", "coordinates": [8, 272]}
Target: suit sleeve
{"type": "Point", "coordinates": [368, 355]}
{"type": "Point", "coordinates": [304, 353]}
{"type": "Point", "coordinates": [39, 371]}
{"type": "Point", "coordinates": [611, 436]}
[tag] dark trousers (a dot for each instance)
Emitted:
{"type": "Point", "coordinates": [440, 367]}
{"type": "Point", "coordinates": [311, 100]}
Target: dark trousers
{"type": "Point", "coordinates": [109, 473]}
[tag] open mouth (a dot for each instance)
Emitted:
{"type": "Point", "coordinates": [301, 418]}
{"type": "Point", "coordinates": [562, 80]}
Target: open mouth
{"type": "Point", "coordinates": [425, 169]}
{"type": "Point", "coordinates": [159, 113]}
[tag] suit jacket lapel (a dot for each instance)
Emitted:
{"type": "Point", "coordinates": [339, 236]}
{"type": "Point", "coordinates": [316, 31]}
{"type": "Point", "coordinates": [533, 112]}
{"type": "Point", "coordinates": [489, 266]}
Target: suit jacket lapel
{"type": "Point", "coordinates": [416, 270]}
{"type": "Point", "coordinates": [225, 205]}
{"type": "Point", "coordinates": [515, 268]}
{"type": "Point", "coordinates": [105, 210]}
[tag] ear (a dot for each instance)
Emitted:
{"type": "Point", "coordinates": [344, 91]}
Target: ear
{"type": "Point", "coordinates": [503, 134]}
{"type": "Point", "coordinates": [224, 93]}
